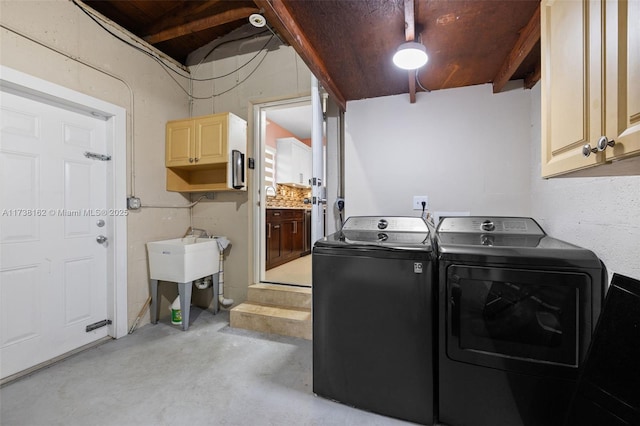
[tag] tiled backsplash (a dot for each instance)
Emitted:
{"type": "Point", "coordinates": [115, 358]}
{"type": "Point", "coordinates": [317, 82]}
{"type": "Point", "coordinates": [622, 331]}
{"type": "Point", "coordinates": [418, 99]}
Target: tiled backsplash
{"type": "Point", "coordinates": [289, 197]}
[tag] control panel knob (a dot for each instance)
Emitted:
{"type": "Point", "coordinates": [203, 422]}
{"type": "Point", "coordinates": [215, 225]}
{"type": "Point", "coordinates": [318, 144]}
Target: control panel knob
{"type": "Point", "coordinates": [487, 225]}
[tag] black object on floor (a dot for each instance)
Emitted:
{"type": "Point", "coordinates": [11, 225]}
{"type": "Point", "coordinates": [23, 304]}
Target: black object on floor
{"type": "Point", "coordinates": [608, 390]}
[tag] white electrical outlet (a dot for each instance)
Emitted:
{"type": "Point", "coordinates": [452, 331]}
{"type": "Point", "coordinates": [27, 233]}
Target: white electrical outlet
{"type": "Point", "coordinates": [417, 202]}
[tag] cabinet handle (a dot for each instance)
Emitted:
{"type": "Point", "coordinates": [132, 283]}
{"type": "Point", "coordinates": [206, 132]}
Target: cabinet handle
{"type": "Point", "coordinates": [601, 145]}
{"type": "Point", "coordinates": [587, 150]}
{"type": "Point", "coordinates": [276, 213]}
{"type": "Point", "coordinates": [191, 160]}
{"type": "Point", "coordinates": [268, 230]}
{"type": "Point", "coordinates": [196, 159]}
{"type": "Point", "coordinates": [295, 227]}
{"type": "Point", "coordinates": [276, 227]}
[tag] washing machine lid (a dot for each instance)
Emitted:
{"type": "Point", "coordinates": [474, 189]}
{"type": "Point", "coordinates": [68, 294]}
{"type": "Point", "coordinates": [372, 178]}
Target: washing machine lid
{"type": "Point", "coordinates": [389, 232]}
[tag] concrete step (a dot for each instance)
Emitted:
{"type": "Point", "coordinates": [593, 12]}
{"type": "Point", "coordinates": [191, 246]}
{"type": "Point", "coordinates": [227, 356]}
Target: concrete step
{"type": "Point", "coordinates": [285, 321]}
{"type": "Point", "coordinates": [280, 295]}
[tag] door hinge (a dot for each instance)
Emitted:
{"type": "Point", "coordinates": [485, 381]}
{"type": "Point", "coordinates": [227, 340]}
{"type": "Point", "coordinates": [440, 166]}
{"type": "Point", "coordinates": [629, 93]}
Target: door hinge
{"type": "Point", "coordinates": [98, 324]}
{"type": "Point", "coordinates": [94, 156]}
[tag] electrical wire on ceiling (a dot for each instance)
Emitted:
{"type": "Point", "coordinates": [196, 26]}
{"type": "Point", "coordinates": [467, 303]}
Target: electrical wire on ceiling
{"type": "Point", "coordinates": [420, 84]}
{"type": "Point", "coordinates": [97, 19]}
{"type": "Point", "coordinates": [244, 79]}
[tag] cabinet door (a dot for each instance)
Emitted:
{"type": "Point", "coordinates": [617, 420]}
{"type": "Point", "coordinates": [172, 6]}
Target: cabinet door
{"type": "Point", "coordinates": [306, 165]}
{"type": "Point", "coordinates": [288, 227]}
{"type": "Point", "coordinates": [211, 140]}
{"type": "Point", "coordinates": [623, 78]}
{"type": "Point", "coordinates": [293, 162]}
{"type": "Point", "coordinates": [179, 143]}
{"type": "Point", "coordinates": [274, 245]}
{"type": "Point", "coordinates": [571, 41]}
{"type": "Point", "coordinates": [298, 236]}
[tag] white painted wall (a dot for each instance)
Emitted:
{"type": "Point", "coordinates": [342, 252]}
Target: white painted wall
{"type": "Point", "coordinates": [466, 149]}
{"type": "Point", "coordinates": [601, 214]}
{"type": "Point", "coordinates": [471, 150]}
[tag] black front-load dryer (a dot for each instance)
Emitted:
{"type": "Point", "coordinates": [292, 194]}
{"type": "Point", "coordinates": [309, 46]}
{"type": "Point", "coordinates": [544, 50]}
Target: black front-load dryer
{"type": "Point", "coordinates": [516, 310]}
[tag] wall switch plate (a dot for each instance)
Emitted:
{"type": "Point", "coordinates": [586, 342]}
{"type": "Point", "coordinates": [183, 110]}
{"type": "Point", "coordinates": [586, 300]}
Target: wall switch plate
{"type": "Point", "coordinates": [417, 202]}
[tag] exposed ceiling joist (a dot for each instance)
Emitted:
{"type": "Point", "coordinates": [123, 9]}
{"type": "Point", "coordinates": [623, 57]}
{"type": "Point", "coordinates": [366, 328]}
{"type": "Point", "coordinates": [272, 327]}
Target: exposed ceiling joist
{"type": "Point", "coordinates": [534, 77]}
{"type": "Point", "coordinates": [529, 36]}
{"type": "Point", "coordinates": [281, 19]}
{"type": "Point", "coordinates": [348, 44]}
{"type": "Point", "coordinates": [410, 35]}
{"type": "Point", "coordinates": [201, 24]}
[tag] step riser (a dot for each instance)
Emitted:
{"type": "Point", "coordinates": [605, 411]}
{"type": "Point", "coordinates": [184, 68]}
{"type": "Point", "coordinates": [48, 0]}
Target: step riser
{"type": "Point", "coordinates": [279, 298]}
{"type": "Point", "coordinates": [270, 324]}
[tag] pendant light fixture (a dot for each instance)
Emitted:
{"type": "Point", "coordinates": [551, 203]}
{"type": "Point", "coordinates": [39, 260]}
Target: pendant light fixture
{"type": "Point", "coordinates": [410, 56]}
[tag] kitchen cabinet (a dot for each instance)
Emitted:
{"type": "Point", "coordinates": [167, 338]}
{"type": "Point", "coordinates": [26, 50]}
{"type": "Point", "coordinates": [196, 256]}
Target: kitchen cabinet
{"type": "Point", "coordinates": [199, 153]}
{"type": "Point", "coordinates": [590, 87]}
{"type": "Point", "coordinates": [285, 236]}
{"type": "Point", "coordinates": [293, 162]}
{"type": "Point", "coordinates": [307, 233]}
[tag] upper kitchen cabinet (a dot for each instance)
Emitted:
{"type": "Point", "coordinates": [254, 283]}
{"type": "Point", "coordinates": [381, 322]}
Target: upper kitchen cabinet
{"type": "Point", "coordinates": [293, 162]}
{"type": "Point", "coordinates": [206, 153]}
{"type": "Point", "coordinates": [590, 87]}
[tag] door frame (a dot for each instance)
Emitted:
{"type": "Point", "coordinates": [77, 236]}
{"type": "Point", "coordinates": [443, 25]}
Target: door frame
{"type": "Point", "coordinates": [25, 85]}
{"type": "Point", "coordinates": [258, 111]}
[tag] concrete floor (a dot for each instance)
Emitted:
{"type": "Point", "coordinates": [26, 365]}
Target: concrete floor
{"type": "Point", "coordinates": [159, 375]}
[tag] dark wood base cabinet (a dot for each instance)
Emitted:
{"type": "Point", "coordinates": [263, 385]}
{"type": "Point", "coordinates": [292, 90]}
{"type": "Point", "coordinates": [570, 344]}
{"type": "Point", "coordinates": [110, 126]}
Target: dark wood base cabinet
{"type": "Point", "coordinates": [286, 237]}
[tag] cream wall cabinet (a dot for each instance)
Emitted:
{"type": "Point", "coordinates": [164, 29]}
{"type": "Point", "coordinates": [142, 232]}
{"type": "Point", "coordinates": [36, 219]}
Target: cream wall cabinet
{"type": "Point", "coordinates": [199, 152]}
{"type": "Point", "coordinates": [590, 87]}
{"type": "Point", "coordinates": [293, 162]}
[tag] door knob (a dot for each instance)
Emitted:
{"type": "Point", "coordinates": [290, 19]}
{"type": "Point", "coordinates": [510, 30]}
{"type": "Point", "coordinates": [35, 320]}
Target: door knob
{"type": "Point", "coordinates": [101, 239]}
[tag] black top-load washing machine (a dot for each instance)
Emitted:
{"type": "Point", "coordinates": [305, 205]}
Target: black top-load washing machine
{"type": "Point", "coordinates": [516, 311]}
{"type": "Point", "coordinates": [373, 320]}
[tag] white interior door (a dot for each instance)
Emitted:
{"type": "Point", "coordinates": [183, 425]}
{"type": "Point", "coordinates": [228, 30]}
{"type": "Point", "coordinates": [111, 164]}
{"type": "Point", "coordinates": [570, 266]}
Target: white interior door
{"type": "Point", "coordinates": [53, 272]}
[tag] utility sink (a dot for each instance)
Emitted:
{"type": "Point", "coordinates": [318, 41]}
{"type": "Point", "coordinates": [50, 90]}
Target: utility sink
{"type": "Point", "coordinates": [183, 260]}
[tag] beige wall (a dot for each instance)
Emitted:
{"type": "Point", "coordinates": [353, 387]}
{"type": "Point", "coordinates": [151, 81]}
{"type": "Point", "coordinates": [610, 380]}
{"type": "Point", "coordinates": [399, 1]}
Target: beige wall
{"type": "Point", "coordinates": [138, 84]}
{"type": "Point", "coordinates": [281, 74]}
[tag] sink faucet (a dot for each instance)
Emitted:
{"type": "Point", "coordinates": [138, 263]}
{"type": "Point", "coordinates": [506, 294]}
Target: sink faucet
{"type": "Point", "coordinates": [191, 231]}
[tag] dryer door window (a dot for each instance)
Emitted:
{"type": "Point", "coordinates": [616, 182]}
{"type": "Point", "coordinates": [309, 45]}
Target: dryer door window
{"type": "Point", "coordinates": [513, 319]}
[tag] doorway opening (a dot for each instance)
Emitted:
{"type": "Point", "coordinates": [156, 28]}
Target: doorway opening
{"type": "Point", "coordinates": [283, 232]}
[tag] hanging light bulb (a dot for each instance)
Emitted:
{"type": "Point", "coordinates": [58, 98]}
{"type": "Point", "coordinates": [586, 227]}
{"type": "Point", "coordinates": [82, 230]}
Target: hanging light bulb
{"type": "Point", "coordinates": [410, 56]}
